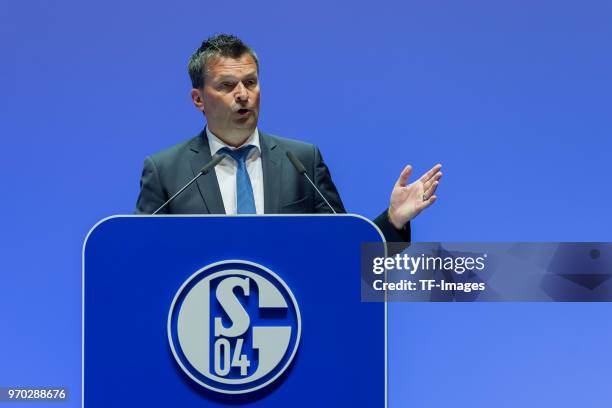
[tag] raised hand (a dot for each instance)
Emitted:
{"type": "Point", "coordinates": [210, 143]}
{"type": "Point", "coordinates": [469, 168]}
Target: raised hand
{"type": "Point", "coordinates": [407, 201]}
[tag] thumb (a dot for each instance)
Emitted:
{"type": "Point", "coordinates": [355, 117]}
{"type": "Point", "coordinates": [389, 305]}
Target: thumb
{"type": "Point", "coordinates": [403, 178]}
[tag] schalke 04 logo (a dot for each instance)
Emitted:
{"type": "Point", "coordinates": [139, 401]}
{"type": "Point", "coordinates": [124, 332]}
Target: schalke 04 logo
{"type": "Point", "coordinates": [234, 327]}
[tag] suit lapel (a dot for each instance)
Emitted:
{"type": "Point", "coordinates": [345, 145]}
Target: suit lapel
{"type": "Point", "coordinates": [207, 184]}
{"type": "Point", "coordinates": [272, 163]}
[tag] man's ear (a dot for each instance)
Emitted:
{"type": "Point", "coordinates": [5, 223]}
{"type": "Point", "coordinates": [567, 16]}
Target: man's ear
{"type": "Point", "coordinates": [198, 101]}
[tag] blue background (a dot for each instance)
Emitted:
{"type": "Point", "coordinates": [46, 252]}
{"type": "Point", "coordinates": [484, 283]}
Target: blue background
{"type": "Point", "coordinates": [512, 97]}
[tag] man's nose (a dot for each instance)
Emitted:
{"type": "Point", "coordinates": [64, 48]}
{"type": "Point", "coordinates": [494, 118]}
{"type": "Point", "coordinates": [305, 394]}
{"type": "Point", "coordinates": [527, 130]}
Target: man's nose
{"type": "Point", "coordinates": [241, 94]}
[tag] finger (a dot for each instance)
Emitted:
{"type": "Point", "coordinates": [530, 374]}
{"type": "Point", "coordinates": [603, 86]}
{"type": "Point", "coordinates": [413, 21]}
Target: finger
{"type": "Point", "coordinates": [428, 184]}
{"type": "Point", "coordinates": [428, 193]}
{"type": "Point", "coordinates": [433, 171]}
{"type": "Point", "coordinates": [429, 202]}
{"type": "Point", "coordinates": [425, 177]}
{"type": "Point", "coordinates": [403, 178]}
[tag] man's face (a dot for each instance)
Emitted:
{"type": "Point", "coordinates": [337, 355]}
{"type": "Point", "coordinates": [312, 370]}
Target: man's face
{"type": "Point", "coordinates": [230, 97]}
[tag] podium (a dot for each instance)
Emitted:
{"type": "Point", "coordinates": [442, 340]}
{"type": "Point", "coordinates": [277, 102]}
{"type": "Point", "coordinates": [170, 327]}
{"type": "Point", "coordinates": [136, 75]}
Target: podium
{"type": "Point", "coordinates": [215, 311]}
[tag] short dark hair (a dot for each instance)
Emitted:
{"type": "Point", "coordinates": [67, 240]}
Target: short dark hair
{"type": "Point", "coordinates": [220, 45]}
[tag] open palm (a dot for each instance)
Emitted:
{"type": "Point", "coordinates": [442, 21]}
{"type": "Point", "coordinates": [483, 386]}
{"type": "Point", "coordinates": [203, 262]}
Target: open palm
{"type": "Point", "coordinates": [407, 201]}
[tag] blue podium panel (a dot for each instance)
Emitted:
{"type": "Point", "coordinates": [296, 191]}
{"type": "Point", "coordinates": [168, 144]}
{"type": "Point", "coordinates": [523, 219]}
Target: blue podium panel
{"type": "Point", "coordinates": [211, 311]}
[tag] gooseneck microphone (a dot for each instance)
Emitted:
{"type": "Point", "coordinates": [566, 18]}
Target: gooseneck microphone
{"type": "Point", "coordinates": [204, 170]}
{"type": "Point", "coordinates": [302, 170]}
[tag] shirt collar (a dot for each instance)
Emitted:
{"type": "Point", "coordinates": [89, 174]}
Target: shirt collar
{"type": "Point", "coordinates": [216, 144]}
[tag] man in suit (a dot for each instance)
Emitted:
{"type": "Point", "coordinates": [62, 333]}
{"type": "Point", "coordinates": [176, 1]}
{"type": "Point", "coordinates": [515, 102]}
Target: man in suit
{"type": "Point", "coordinates": [255, 175]}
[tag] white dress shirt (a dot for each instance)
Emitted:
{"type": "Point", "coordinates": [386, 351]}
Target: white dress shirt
{"type": "Point", "coordinates": [226, 172]}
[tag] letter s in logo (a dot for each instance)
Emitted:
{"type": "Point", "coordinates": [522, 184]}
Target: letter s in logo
{"type": "Point", "coordinates": [233, 308]}
{"type": "Point", "coordinates": [234, 327]}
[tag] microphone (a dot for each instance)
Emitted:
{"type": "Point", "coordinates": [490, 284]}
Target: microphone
{"type": "Point", "coordinates": [302, 170]}
{"type": "Point", "coordinates": [204, 170]}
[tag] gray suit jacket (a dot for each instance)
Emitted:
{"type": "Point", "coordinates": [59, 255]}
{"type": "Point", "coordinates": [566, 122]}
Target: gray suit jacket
{"type": "Point", "coordinates": [285, 190]}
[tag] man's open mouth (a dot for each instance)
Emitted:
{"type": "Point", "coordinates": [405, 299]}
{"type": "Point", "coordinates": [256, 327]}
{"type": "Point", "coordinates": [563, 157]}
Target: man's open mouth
{"type": "Point", "coordinates": [243, 111]}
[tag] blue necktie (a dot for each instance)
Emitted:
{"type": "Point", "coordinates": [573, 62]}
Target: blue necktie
{"type": "Point", "coordinates": [244, 190]}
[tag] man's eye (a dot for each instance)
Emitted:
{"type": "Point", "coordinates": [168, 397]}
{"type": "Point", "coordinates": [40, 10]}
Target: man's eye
{"type": "Point", "coordinates": [227, 85]}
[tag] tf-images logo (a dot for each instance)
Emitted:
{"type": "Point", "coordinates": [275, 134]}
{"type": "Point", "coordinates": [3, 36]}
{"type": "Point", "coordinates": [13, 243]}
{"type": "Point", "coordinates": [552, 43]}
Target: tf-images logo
{"type": "Point", "coordinates": [234, 327]}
